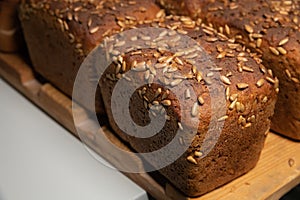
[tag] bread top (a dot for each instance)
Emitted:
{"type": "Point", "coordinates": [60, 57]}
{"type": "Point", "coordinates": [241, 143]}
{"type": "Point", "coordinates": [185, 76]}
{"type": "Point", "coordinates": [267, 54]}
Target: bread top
{"type": "Point", "coordinates": [273, 12]}
{"type": "Point", "coordinates": [240, 72]}
{"type": "Point", "coordinates": [87, 22]}
{"type": "Point", "coordinates": [269, 27]}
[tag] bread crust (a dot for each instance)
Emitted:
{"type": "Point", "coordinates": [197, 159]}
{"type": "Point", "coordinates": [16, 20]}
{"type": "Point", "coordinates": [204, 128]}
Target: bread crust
{"type": "Point", "coordinates": [268, 27]}
{"type": "Point", "coordinates": [241, 141]}
{"type": "Point", "coordinates": [73, 30]}
{"type": "Point", "coordinates": [249, 88]}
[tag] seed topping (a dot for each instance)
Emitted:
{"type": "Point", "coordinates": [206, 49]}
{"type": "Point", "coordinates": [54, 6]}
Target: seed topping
{"type": "Point", "coordinates": [260, 83]}
{"type": "Point", "coordinates": [249, 28]}
{"type": "Point", "coordinates": [242, 86]}
{"type": "Point", "coordinates": [198, 154]}
{"type": "Point", "coordinates": [274, 51]}
{"type": "Point", "coordinates": [283, 41]}
{"type": "Point", "coordinates": [195, 110]}
{"type": "Point", "coordinates": [201, 100]}
{"type": "Point", "coordinates": [192, 160]}
{"type": "Point", "coordinates": [225, 80]}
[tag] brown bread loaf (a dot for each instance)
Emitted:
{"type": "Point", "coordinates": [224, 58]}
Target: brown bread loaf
{"type": "Point", "coordinates": [269, 27]}
{"type": "Point", "coordinates": [65, 32]}
{"type": "Point", "coordinates": [242, 137]}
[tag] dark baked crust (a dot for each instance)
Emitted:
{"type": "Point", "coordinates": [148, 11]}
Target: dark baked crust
{"type": "Point", "coordinates": [72, 30]}
{"type": "Point", "coordinates": [247, 115]}
{"type": "Point", "coordinates": [273, 30]}
{"type": "Point", "coordinates": [242, 138]}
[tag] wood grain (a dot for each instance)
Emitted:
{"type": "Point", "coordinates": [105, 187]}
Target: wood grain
{"type": "Point", "coordinates": [277, 171]}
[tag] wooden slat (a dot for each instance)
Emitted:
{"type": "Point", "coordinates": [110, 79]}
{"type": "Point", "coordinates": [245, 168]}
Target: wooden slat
{"type": "Point", "coordinates": [277, 171]}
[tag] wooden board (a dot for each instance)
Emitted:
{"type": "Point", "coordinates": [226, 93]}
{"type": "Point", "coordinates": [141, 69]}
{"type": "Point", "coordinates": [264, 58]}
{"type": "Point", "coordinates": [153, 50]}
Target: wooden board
{"type": "Point", "coordinates": [277, 171]}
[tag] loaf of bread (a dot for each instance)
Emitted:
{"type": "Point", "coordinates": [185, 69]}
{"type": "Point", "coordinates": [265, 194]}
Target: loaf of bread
{"type": "Point", "coordinates": [249, 106]}
{"type": "Point", "coordinates": [269, 27]}
{"type": "Point", "coordinates": [60, 34]}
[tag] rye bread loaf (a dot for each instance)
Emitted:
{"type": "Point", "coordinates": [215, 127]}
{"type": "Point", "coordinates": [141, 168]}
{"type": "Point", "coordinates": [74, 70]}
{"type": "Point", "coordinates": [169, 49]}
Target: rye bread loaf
{"type": "Point", "coordinates": [250, 94]}
{"type": "Point", "coordinates": [269, 27]}
{"type": "Point", "coordinates": [59, 34]}
{"type": "Point", "coordinates": [250, 99]}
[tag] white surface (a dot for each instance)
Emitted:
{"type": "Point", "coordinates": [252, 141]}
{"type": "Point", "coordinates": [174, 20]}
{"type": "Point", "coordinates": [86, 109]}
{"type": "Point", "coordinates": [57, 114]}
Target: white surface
{"type": "Point", "coordinates": [39, 160]}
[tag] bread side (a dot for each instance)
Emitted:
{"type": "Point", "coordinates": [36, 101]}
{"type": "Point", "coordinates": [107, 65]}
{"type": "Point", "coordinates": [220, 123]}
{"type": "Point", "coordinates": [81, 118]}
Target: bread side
{"type": "Point", "coordinates": [59, 34]}
{"type": "Point", "coordinates": [250, 100]}
{"type": "Point", "coordinates": [268, 27]}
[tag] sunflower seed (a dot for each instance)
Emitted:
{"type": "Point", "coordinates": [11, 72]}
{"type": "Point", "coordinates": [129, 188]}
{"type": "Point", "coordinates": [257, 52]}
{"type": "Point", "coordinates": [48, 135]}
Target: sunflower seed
{"type": "Point", "coordinates": [270, 80]}
{"type": "Point", "coordinates": [151, 79]}
{"type": "Point", "coordinates": [158, 92]}
{"type": "Point", "coordinates": [227, 93]}
{"type": "Point", "coordinates": [265, 99]}
{"type": "Point", "coordinates": [260, 83]}
{"type": "Point", "coordinates": [187, 94]}
{"type": "Point", "coordinates": [201, 100]}
{"type": "Point", "coordinates": [256, 35]}
{"type": "Point", "coordinates": [225, 80]}
{"type": "Point", "coordinates": [274, 51]}
{"type": "Point", "coordinates": [160, 65]}
{"type": "Point", "coordinates": [191, 159]}
{"type": "Point", "coordinates": [295, 80]}
{"type": "Point", "coordinates": [249, 28]}
{"type": "Point", "coordinates": [223, 118]}
{"type": "Point", "coordinates": [247, 69]}
{"type": "Point", "coordinates": [145, 38]}
{"type": "Point", "coordinates": [147, 75]}
{"type": "Point", "coordinates": [163, 34]}
{"type": "Point", "coordinates": [195, 110]}
{"type": "Point", "coordinates": [160, 14]}
{"type": "Point", "coordinates": [120, 44]}
{"type": "Point", "coordinates": [180, 126]}
{"type": "Point", "coordinates": [240, 107]}
{"type": "Point", "coordinates": [198, 154]}
{"type": "Point", "coordinates": [134, 38]}
{"type": "Point", "coordinates": [282, 50]}
{"type": "Point", "coordinates": [199, 77]}
{"type": "Point", "coordinates": [248, 125]}
{"type": "Point", "coordinates": [166, 102]}
{"type": "Point", "coordinates": [94, 30]}
{"type": "Point", "coordinates": [175, 82]}
{"type": "Point", "coordinates": [232, 105]}
{"type": "Point", "coordinates": [283, 41]}
{"type": "Point", "coordinates": [242, 121]}
{"type": "Point", "coordinates": [179, 61]}
{"type": "Point", "coordinates": [259, 42]}
{"type": "Point", "coordinates": [227, 29]}
{"type": "Point", "coordinates": [288, 73]}
{"type": "Point", "coordinates": [242, 86]}
{"type": "Point", "coordinates": [233, 97]}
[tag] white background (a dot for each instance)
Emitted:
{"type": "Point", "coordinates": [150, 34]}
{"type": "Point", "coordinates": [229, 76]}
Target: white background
{"type": "Point", "coordinates": [40, 160]}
